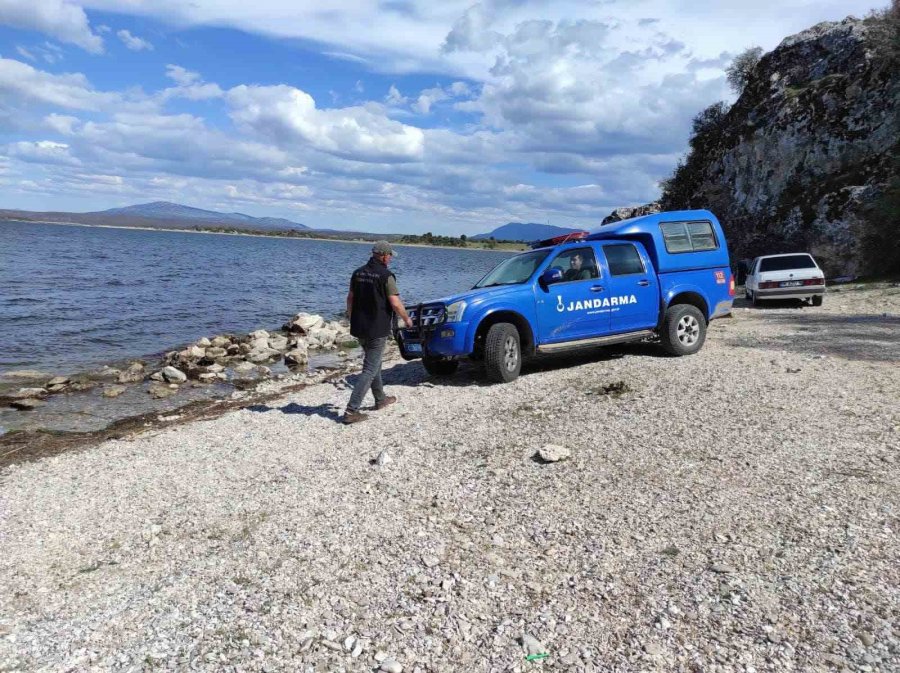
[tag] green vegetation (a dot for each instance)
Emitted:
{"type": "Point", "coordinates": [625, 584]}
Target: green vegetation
{"type": "Point", "coordinates": [430, 239]}
{"type": "Point", "coordinates": [461, 242]}
{"type": "Point", "coordinates": [741, 70]}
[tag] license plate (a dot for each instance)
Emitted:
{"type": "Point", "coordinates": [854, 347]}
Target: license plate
{"type": "Point", "coordinates": [413, 348]}
{"type": "Point", "coordinates": [791, 283]}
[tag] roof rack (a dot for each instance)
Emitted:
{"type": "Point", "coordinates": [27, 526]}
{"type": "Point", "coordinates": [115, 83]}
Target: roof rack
{"type": "Point", "coordinates": [556, 240]}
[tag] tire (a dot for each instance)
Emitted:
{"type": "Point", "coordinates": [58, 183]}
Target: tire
{"type": "Point", "coordinates": [816, 300]}
{"type": "Point", "coordinates": [440, 366]}
{"type": "Point", "coordinates": [502, 353]}
{"type": "Point", "coordinates": [754, 300]}
{"type": "Point", "coordinates": [683, 330]}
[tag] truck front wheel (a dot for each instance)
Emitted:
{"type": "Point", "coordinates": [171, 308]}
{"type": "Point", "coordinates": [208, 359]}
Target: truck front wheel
{"type": "Point", "coordinates": [502, 353]}
{"type": "Point", "coordinates": [440, 366]}
{"type": "Point", "coordinates": [683, 330]}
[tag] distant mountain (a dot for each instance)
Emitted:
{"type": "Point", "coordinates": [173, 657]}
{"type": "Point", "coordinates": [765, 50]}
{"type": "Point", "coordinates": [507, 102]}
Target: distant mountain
{"type": "Point", "coordinates": [165, 210]}
{"type": "Point", "coordinates": [524, 231]}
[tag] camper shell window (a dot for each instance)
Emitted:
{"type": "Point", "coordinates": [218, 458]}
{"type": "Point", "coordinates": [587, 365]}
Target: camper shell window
{"type": "Point", "coordinates": [688, 237]}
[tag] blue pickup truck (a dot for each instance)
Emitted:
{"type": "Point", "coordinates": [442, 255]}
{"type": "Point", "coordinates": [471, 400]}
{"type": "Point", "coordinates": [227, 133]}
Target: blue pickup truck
{"type": "Point", "coordinates": [662, 276]}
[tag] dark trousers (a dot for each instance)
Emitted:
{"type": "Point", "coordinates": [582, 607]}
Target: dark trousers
{"type": "Point", "coordinates": [370, 376]}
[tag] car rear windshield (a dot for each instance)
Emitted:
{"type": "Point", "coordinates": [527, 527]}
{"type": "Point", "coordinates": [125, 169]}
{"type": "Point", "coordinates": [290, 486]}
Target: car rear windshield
{"type": "Point", "coordinates": [786, 263]}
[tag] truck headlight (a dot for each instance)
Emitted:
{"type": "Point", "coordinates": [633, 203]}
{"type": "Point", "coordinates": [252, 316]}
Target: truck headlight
{"type": "Point", "coordinates": [455, 311]}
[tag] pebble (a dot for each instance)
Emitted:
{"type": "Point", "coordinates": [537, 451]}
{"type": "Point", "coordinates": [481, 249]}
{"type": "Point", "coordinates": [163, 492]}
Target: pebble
{"type": "Point", "coordinates": [390, 666]}
{"type": "Point", "coordinates": [384, 458]}
{"type": "Point", "coordinates": [553, 453]}
{"type": "Point", "coordinates": [867, 638]}
{"type": "Point", "coordinates": [532, 645]}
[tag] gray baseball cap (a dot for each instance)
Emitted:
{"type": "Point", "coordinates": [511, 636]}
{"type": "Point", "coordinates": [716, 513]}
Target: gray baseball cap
{"type": "Point", "coordinates": [383, 248]}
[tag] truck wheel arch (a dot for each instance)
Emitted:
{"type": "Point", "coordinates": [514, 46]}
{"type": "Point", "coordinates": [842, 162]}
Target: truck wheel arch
{"type": "Point", "coordinates": [691, 297]}
{"type": "Point", "coordinates": [526, 335]}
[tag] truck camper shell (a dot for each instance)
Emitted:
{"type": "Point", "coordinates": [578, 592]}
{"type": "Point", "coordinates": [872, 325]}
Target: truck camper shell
{"type": "Point", "coordinates": [681, 240]}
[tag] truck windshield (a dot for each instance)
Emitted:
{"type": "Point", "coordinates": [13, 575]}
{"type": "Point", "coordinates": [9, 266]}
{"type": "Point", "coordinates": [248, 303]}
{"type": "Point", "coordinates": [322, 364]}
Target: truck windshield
{"type": "Point", "coordinates": [514, 270]}
{"type": "Point", "coordinates": [787, 263]}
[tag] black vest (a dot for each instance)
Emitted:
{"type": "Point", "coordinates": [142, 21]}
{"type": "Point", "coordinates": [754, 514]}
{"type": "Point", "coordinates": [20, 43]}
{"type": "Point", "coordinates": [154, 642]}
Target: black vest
{"type": "Point", "coordinates": [370, 317]}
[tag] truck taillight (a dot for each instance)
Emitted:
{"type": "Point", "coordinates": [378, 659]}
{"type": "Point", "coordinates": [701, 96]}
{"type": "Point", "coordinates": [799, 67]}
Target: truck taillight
{"type": "Point", "coordinates": [731, 285]}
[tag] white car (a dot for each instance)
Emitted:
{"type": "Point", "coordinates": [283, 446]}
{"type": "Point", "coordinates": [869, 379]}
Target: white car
{"type": "Point", "coordinates": [792, 276]}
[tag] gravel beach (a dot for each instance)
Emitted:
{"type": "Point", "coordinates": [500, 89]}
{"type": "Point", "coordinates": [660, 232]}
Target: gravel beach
{"type": "Point", "coordinates": [734, 510]}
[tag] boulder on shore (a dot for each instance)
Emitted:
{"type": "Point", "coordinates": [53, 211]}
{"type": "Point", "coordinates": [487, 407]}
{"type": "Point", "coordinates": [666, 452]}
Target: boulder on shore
{"type": "Point", "coordinates": [113, 391]}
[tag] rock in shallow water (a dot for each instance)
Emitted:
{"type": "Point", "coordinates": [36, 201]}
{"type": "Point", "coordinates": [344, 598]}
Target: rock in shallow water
{"type": "Point", "coordinates": [161, 392]}
{"type": "Point", "coordinates": [133, 374]}
{"type": "Point", "coordinates": [26, 404]}
{"type": "Point", "coordinates": [30, 393]}
{"type": "Point", "coordinates": [113, 391]}
{"type": "Point", "coordinates": [173, 375]}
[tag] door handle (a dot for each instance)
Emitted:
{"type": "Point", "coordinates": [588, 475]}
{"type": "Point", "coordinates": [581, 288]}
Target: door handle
{"type": "Point", "coordinates": [643, 283]}
{"type": "Point", "coordinates": [596, 288]}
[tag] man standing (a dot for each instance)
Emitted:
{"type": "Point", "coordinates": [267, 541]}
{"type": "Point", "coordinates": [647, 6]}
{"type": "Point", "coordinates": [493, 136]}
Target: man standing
{"type": "Point", "coordinates": [371, 303]}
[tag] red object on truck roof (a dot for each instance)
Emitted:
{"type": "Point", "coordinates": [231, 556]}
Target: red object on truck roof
{"type": "Point", "coordinates": [556, 240]}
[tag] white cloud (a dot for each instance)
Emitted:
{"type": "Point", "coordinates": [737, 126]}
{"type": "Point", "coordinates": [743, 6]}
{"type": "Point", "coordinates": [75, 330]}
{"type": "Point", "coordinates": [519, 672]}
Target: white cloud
{"type": "Point", "coordinates": [72, 91]}
{"type": "Point", "coordinates": [190, 85]}
{"type": "Point", "coordinates": [64, 20]}
{"type": "Point", "coordinates": [24, 53]}
{"type": "Point", "coordinates": [42, 152]}
{"type": "Point", "coordinates": [427, 98]}
{"type": "Point", "coordinates": [394, 97]}
{"type": "Point", "coordinates": [134, 42]}
{"type": "Point", "coordinates": [182, 76]}
{"type": "Point", "coordinates": [62, 124]}
{"type": "Point", "coordinates": [285, 115]}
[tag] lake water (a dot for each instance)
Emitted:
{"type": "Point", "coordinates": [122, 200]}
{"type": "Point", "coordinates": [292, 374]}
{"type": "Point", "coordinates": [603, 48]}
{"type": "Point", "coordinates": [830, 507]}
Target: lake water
{"type": "Point", "coordinates": [73, 298]}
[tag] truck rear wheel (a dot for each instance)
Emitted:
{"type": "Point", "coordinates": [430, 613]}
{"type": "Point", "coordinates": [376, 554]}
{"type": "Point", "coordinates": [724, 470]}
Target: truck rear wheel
{"type": "Point", "coordinates": [440, 366]}
{"type": "Point", "coordinates": [683, 330]}
{"type": "Point", "coordinates": [502, 353]}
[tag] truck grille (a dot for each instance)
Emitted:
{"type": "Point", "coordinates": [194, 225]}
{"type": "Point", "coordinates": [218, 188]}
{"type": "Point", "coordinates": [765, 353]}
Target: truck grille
{"type": "Point", "coordinates": [427, 315]}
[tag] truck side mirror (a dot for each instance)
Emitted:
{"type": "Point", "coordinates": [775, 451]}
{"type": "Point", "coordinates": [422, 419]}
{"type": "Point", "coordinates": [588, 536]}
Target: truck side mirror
{"type": "Point", "coordinates": [551, 276]}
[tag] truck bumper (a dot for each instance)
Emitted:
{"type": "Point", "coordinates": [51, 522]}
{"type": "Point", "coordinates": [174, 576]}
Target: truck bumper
{"type": "Point", "coordinates": [447, 341]}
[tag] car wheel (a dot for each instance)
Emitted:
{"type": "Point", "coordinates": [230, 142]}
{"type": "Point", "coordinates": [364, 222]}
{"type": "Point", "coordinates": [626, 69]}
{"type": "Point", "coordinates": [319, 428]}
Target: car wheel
{"type": "Point", "coordinates": [817, 300]}
{"type": "Point", "coordinates": [440, 366]}
{"type": "Point", "coordinates": [754, 300]}
{"type": "Point", "coordinates": [502, 353]}
{"type": "Point", "coordinates": [748, 295]}
{"type": "Point", "coordinates": [684, 330]}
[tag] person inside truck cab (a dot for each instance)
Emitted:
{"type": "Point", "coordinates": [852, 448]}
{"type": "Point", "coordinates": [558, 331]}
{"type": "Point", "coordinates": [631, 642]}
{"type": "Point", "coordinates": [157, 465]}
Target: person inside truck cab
{"type": "Point", "coordinates": [577, 269]}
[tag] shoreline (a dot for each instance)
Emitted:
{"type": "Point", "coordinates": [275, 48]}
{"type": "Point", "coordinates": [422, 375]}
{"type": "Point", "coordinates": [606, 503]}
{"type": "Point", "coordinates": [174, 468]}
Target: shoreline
{"type": "Point", "coordinates": [261, 235]}
{"type": "Point", "coordinates": [91, 400]}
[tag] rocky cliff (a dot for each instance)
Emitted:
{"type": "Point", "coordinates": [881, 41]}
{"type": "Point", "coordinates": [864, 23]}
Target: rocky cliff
{"type": "Point", "coordinates": [806, 158]}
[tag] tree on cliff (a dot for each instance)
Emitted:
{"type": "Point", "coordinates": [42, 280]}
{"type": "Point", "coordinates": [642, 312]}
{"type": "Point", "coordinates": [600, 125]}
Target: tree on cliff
{"type": "Point", "coordinates": [741, 69]}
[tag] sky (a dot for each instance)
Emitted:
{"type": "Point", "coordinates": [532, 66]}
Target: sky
{"type": "Point", "coordinates": [395, 116]}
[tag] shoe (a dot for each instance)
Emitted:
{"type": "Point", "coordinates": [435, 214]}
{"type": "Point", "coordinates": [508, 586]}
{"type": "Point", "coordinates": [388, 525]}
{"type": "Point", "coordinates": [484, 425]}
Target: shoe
{"type": "Point", "coordinates": [390, 399]}
{"type": "Point", "coordinates": [353, 417]}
